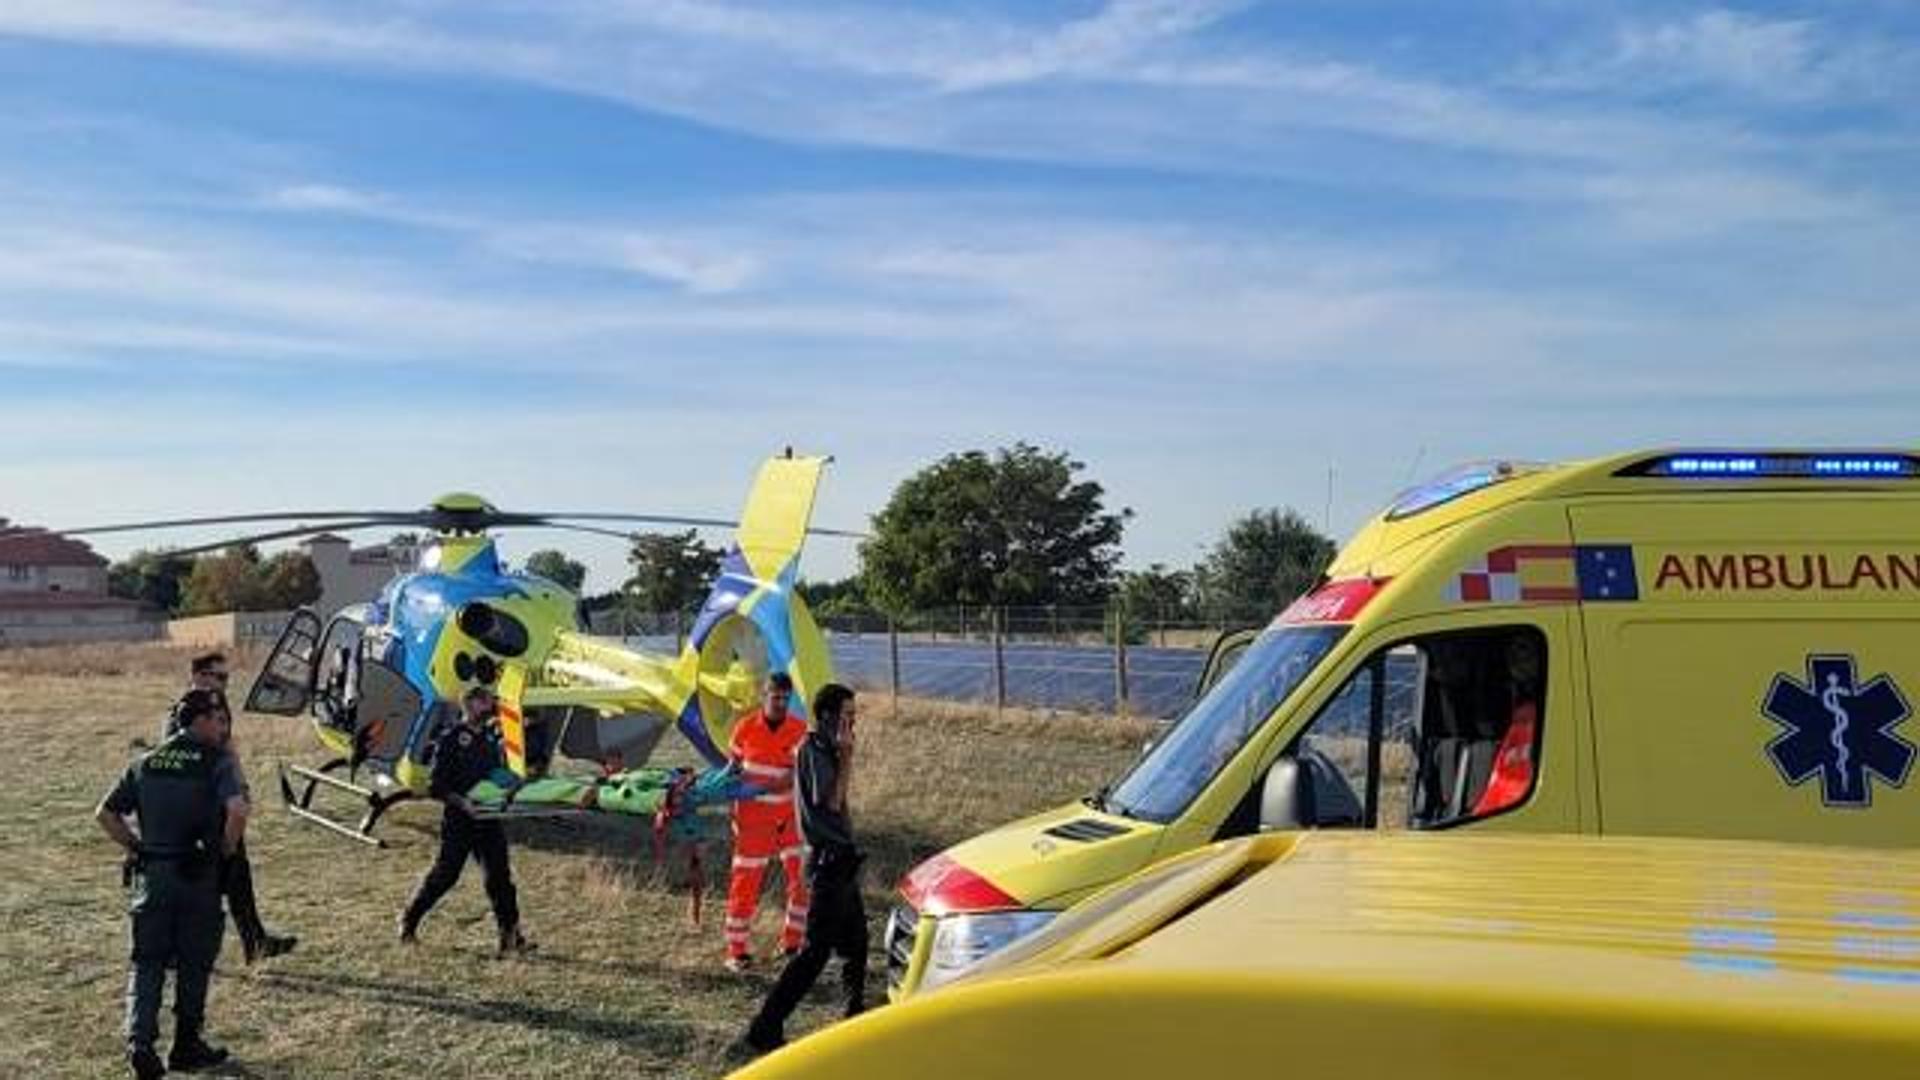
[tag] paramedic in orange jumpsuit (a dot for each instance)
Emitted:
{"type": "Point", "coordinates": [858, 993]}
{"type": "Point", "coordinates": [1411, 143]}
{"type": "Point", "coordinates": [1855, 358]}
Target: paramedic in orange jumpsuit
{"type": "Point", "coordinates": [764, 826]}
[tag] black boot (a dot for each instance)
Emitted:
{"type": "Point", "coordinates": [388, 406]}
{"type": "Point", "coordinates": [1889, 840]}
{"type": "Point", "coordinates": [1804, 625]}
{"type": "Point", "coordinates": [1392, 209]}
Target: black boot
{"type": "Point", "coordinates": [514, 943]}
{"type": "Point", "coordinates": [272, 945]}
{"type": "Point", "coordinates": [762, 1038]}
{"type": "Point", "coordinates": [190, 1052]}
{"type": "Point", "coordinates": [145, 1063]}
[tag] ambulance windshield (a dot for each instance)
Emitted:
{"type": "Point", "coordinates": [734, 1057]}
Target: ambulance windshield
{"type": "Point", "coordinates": [1163, 782]}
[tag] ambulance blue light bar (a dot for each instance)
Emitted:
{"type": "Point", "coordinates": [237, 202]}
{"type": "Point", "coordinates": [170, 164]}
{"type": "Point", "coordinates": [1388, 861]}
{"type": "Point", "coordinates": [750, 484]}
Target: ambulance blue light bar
{"type": "Point", "coordinates": [1735, 466]}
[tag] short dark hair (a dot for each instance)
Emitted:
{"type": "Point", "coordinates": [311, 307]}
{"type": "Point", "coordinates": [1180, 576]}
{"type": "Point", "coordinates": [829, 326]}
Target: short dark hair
{"type": "Point", "coordinates": [829, 701]}
{"type": "Point", "coordinates": [780, 680]}
{"type": "Point", "coordinates": [197, 703]}
{"type": "Point", "coordinates": [205, 662]}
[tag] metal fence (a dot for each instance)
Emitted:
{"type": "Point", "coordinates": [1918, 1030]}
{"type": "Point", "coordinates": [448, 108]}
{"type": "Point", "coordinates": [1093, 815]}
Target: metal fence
{"type": "Point", "coordinates": [1096, 659]}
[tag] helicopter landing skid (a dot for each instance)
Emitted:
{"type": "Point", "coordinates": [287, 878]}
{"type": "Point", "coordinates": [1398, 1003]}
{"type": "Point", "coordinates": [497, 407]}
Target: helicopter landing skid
{"type": "Point", "coordinates": [301, 805]}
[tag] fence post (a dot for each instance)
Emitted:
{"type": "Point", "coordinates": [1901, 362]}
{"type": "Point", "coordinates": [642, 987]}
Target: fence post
{"type": "Point", "coordinates": [1120, 659]}
{"type": "Point", "coordinates": [999, 659]}
{"type": "Point", "coordinates": [893, 663]}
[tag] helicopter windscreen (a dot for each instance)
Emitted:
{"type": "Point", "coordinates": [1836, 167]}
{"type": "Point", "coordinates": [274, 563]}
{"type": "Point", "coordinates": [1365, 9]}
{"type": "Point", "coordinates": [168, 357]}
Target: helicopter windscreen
{"type": "Point", "coordinates": [337, 682]}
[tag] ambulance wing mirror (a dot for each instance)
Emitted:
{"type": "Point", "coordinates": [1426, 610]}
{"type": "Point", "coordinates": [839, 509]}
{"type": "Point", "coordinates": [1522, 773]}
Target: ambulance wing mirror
{"type": "Point", "coordinates": [1306, 791]}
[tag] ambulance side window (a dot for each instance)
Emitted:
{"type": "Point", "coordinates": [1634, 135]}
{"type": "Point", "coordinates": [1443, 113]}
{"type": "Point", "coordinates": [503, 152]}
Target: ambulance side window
{"type": "Point", "coordinates": [1436, 731]}
{"type": "Point", "coordinates": [1376, 762]}
{"type": "Point", "coordinates": [1478, 725]}
{"type": "Point", "coordinates": [1340, 734]}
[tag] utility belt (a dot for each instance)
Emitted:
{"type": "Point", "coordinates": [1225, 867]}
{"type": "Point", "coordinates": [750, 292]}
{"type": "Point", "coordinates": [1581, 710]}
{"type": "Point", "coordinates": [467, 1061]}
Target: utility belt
{"type": "Point", "coordinates": [835, 863]}
{"type": "Point", "coordinates": [194, 864]}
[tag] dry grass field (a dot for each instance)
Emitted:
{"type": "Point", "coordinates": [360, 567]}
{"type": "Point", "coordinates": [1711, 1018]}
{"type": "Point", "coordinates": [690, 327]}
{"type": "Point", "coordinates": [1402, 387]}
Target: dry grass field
{"type": "Point", "coordinates": [622, 984]}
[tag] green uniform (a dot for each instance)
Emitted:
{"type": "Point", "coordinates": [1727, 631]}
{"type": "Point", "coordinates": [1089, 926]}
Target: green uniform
{"type": "Point", "coordinates": [178, 791]}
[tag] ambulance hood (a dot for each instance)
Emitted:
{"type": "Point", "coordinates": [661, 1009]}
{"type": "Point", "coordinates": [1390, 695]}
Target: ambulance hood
{"type": "Point", "coordinates": [1048, 860]}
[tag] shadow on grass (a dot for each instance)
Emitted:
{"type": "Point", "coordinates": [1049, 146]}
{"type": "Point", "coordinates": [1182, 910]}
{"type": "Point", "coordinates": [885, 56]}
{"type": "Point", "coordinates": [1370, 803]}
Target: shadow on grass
{"type": "Point", "coordinates": [671, 1037]}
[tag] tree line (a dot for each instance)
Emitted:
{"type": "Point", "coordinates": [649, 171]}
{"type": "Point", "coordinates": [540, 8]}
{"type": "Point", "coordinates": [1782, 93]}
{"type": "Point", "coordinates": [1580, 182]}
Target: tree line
{"type": "Point", "coordinates": [1018, 527]}
{"type": "Point", "coordinates": [235, 579]}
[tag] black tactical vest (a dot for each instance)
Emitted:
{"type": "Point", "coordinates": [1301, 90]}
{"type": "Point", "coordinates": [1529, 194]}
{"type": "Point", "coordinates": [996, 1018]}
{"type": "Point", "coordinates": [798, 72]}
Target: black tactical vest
{"type": "Point", "coordinates": [180, 813]}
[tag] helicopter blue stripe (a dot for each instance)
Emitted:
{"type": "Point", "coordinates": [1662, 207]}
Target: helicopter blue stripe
{"type": "Point", "coordinates": [770, 614]}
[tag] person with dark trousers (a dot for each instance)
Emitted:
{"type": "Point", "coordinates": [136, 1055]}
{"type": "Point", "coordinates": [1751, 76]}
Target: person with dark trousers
{"type": "Point", "coordinates": [837, 919]}
{"type": "Point", "coordinates": [208, 673]}
{"type": "Point", "coordinates": [468, 752]}
{"type": "Point", "coordinates": [189, 813]}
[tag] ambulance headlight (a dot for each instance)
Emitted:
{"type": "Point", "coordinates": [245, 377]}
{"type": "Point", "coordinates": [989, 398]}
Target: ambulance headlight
{"type": "Point", "coordinates": [961, 941]}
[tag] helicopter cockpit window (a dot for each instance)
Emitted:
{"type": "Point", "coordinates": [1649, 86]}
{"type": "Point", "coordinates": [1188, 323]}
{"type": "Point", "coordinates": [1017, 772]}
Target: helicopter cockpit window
{"type": "Point", "coordinates": [338, 682]}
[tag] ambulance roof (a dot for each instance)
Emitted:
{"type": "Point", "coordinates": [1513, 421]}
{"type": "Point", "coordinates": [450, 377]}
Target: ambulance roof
{"type": "Point", "coordinates": [1474, 489]}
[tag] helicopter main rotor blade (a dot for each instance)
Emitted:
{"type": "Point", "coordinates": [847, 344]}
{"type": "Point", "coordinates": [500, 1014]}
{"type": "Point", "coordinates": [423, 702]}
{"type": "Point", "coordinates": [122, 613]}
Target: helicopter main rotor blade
{"type": "Point", "coordinates": [513, 517]}
{"type": "Point", "coordinates": [652, 519]}
{"type": "Point", "coordinates": [434, 518]}
{"type": "Point", "coordinates": [590, 530]}
{"type": "Point", "coordinates": [377, 516]}
{"type": "Point", "coordinates": [277, 534]}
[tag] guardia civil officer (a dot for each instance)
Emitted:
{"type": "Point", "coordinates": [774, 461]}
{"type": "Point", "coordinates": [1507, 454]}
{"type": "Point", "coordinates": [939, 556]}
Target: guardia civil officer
{"type": "Point", "coordinates": [837, 919]}
{"type": "Point", "coordinates": [468, 753]}
{"type": "Point", "coordinates": [189, 810]}
{"type": "Point", "coordinates": [209, 672]}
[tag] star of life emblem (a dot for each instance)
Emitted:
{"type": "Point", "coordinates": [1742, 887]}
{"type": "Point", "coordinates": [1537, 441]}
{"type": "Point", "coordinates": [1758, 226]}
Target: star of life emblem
{"type": "Point", "coordinates": [1840, 729]}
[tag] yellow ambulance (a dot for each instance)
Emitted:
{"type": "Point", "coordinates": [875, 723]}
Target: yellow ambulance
{"type": "Point", "coordinates": [1671, 643]}
{"type": "Point", "coordinates": [1440, 956]}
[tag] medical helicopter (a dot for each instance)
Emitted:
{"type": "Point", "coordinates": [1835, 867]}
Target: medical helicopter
{"type": "Point", "coordinates": [378, 679]}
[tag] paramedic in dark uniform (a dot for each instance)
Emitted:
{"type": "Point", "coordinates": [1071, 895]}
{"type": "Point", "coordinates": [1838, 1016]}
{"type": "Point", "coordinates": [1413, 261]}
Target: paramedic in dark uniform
{"type": "Point", "coordinates": [468, 753]}
{"type": "Point", "coordinates": [208, 673]}
{"type": "Point", "coordinates": [837, 919]}
{"type": "Point", "coordinates": [190, 810]}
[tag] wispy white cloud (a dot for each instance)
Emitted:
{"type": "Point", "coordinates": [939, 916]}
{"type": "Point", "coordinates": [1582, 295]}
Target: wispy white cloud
{"type": "Point", "coordinates": [1135, 83]}
{"type": "Point", "coordinates": [1602, 250]}
{"type": "Point", "coordinates": [323, 197]}
{"type": "Point", "coordinates": [1770, 60]}
{"type": "Point", "coordinates": [702, 264]}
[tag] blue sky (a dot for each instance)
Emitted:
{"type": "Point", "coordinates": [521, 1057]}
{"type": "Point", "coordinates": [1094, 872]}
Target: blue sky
{"type": "Point", "coordinates": [593, 253]}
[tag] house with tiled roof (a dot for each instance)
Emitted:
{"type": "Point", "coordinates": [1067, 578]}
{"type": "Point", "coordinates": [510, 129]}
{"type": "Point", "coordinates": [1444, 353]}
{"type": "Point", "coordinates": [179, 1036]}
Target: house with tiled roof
{"type": "Point", "coordinates": [54, 589]}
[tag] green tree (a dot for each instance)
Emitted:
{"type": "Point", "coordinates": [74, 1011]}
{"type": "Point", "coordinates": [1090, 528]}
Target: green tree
{"type": "Point", "coordinates": [841, 599]}
{"type": "Point", "coordinates": [1015, 528]}
{"type": "Point", "coordinates": [288, 580]}
{"type": "Point", "coordinates": [1157, 594]}
{"type": "Point", "coordinates": [557, 568]}
{"type": "Point", "coordinates": [1264, 561]}
{"type": "Point", "coordinates": [229, 581]}
{"type": "Point", "coordinates": [671, 571]}
{"type": "Point", "coordinates": [156, 578]}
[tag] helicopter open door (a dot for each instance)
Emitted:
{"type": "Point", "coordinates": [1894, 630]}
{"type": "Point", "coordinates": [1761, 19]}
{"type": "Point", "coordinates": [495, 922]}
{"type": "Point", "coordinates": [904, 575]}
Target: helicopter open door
{"type": "Point", "coordinates": [285, 684]}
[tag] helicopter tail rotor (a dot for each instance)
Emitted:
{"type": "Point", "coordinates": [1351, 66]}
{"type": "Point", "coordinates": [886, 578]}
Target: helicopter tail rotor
{"type": "Point", "coordinates": [754, 621]}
